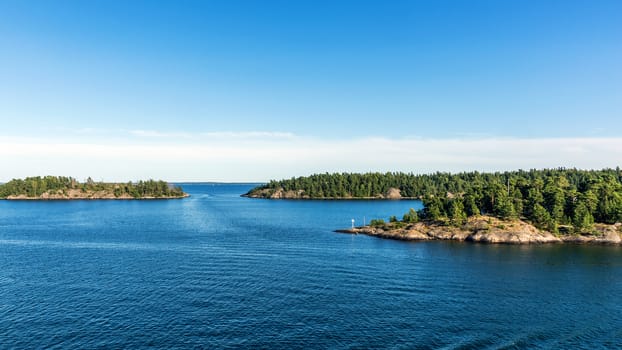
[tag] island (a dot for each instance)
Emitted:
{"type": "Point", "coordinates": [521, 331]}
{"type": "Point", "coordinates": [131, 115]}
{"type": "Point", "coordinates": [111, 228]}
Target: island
{"type": "Point", "coordinates": [339, 186]}
{"type": "Point", "coordinates": [488, 229]}
{"type": "Point", "coordinates": [523, 206]}
{"type": "Point", "coordinates": [67, 188]}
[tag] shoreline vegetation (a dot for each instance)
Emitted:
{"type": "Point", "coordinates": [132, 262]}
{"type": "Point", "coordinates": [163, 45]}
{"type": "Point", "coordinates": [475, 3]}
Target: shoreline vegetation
{"type": "Point", "coordinates": [534, 206]}
{"type": "Point", "coordinates": [68, 188]}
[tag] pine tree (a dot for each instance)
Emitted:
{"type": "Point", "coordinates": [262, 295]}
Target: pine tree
{"type": "Point", "coordinates": [411, 216]}
{"type": "Point", "coordinates": [457, 216]}
{"type": "Point", "coordinates": [583, 219]}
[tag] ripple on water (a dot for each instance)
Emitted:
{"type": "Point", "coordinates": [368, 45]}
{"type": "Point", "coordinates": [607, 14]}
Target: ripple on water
{"type": "Point", "coordinates": [220, 271]}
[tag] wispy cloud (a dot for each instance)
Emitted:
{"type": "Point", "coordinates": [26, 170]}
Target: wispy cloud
{"type": "Point", "coordinates": [259, 156]}
{"type": "Point", "coordinates": [250, 134]}
{"type": "Point", "coordinates": [159, 134]}
{"type": "Point", "coordinates": [104, 134]}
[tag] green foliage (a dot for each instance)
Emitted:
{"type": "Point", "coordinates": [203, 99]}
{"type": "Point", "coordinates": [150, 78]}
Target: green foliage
{"type": "Point", "coordinates": [398, 224]}
{"type": "Point", "coordinates": [554, 199]}
{"type": "Point", "coordinates": [504, 207]}
{"type": "Point", "coordinates": [470, 206]}
{"type": "Point", "coordinates": [433, 209]}
{"type": "Point", "coordinates": [548, 198]}
{"type": "Point", "coordinates": [393, 218]}
{"type": "Point", "coordinates": [457, 216]}
{"type": "Point", "coordinates": [34, 187]}
{"type": "Point", "coordinates": [411, 216]}
{"type": "Point", "coordinates": [542, 219]}
{"type": "Point", "coordinates": [583, 219]}
{"type": "Point", "coordinates": [377, 222]}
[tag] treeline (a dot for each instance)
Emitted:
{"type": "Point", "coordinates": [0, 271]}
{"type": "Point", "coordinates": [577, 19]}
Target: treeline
{"type": "Point", "coordinates": [368, 185]}
{"type": "Point", "coordinates": [548, 198]}
{"type": "Point", "coordinates": [34, 187]}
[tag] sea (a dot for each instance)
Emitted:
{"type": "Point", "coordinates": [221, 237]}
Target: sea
{"type": "Point", "coordinates": [219, 271]}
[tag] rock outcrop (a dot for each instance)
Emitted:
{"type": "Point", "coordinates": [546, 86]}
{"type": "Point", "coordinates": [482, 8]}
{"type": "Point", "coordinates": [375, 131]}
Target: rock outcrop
{"type": "Point", "coordinates": [486, 229]}
{"type": "Point", "coordinates": [280, 193]}
{"type": "Point", "coordinates": [393, 193]}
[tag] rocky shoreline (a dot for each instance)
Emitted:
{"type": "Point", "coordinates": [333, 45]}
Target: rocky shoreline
{"type": "Point", "coordinates": [76, 194]}
{"type": "Point", "coordinates": [280, 193]}
{"type": "Point", "coordinates": [485, 229]}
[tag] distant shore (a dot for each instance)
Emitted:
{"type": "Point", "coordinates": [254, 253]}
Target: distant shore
{"type": "Point", "coordinates": [87, 196]}
{"type": "Point", "coordinates": [280, 193]}
{"type": "Point", "coordinates": [67, 188]}
{"type": "Point", "coordinates": [484, 229]}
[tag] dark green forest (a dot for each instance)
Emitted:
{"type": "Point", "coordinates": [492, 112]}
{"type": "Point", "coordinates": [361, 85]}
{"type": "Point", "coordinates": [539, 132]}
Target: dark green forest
{"type": "Point", "coordinates": [36, 186]}
{"type": "Point", "coordinates": [551, 199]}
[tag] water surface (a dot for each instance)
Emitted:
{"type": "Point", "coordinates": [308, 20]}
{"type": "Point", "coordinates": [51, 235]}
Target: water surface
{"type": "Point", "coordinates": [218, 270]}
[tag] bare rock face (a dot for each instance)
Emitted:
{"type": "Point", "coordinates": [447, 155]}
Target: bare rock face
{"type": "Point", "coordinates": [416, 235]}
{"type": "Point", "coordinates": [267, 193]}
{"type": "Point", "coordinates": [21, 196]}
{"type": "Point", "coordinates": [601, 234]}
{"type": "Point", "coordinates": [278, 194]}
{"type": "Point", "coordinates": [515, 232]}
{"type": "Point", "coordinates": [448, 233]}
{"type": "Point", "coordinates": [514, 237]}
{"type": "Point", "coordinates": [393, 193]}
{"type": "Point", "coordinates": [611, 234]}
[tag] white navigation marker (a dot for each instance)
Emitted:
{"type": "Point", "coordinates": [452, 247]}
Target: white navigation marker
{"type": "Point", "coordinates": [352, 223]}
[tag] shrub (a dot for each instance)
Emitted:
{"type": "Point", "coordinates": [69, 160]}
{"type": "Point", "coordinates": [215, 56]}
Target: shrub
{"type": "Point", "coordinates": [377, 222]}
{"type": "Point", "coordinates": [411, 216]}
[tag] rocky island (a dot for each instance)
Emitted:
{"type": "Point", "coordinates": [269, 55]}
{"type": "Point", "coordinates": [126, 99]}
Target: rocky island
{"type": "Point", "coordinates": [68, 188]}
{"type": "Point", "coordinates": [338, 186]}
{"type": "Point", "coordinates": [534, 206]}
{"type": "Point", "coordinates": [487, 229]}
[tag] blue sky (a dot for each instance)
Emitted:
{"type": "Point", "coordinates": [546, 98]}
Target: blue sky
{"type": "Point", "coordinates": [298, 75]}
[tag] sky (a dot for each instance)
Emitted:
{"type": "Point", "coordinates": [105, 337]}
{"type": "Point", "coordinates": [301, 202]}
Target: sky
{"type": "Point", "coordinates": [259, 90]}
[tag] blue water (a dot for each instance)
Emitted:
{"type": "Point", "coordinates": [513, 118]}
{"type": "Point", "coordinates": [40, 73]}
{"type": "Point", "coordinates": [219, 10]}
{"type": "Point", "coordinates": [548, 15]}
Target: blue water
{"type": "Point", "coordinates": [219, 271]}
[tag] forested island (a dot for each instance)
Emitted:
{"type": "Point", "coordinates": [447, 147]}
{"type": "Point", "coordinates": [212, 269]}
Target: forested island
{"type": "Point", "coordinates": [557, 203]}
{"type": "Point", "coordinates": [61, 187]}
